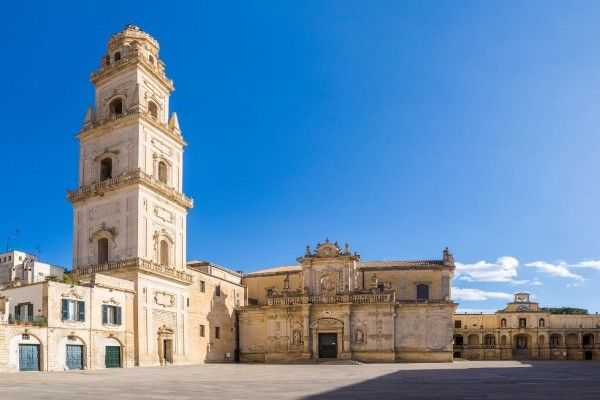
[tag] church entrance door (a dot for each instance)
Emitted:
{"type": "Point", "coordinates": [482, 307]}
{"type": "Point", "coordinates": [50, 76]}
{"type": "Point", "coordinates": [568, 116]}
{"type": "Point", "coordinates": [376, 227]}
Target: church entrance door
{"type": "Point", "coordinates": [327, 345]}
{"type": "Point", "coordinates": [168, 351]}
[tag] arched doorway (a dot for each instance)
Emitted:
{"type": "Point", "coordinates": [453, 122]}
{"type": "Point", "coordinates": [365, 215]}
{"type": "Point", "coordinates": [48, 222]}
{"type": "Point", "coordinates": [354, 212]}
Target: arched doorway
{"type": "Point", "coordinates": [522, 347]}
{"type": "Point", "coordinates": [25, 353]}
{"type": "Point", "coordinates": [71, 351]}
{"type": "Point", "coordinates": [327, 337]}
{"type": "Point", "coordinates": [112, 352]}
{"type": "Point", "coordinates": [165, 345]}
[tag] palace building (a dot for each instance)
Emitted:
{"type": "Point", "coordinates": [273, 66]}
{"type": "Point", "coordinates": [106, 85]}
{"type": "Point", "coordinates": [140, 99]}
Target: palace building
{"type": "Point", "coordinates": [524, 331]}
{"type": "Point", "coordinates": [133, 299]}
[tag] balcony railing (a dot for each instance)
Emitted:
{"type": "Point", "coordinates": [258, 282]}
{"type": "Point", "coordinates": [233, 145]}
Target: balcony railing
{"type": "Point", "coordinates": [388, 297]}
{"type": "Point", "coordinates": [39, 320]}
{"type": "Point", "coordinates": [138, 264]}
{"type": "Point", "coordinates": [135, 176]}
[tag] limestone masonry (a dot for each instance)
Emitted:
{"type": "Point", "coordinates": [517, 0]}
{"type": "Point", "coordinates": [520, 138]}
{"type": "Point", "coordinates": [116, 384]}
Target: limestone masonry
{"type": "Point", "coordinates": [133, 299]}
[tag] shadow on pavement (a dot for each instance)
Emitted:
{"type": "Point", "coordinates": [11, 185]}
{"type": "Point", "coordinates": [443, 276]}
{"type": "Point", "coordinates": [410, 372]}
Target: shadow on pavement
{"type": "Point", "coordinates": [543, 380]}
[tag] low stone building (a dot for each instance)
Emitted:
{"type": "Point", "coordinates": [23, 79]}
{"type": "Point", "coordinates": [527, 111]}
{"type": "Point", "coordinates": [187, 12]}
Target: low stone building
{"type": "Point", "coordinates": [523, 331]}
{"type": "Point", "coordinates": [53, 326]}
{"type": "Point", "coordinates": [333, 305]}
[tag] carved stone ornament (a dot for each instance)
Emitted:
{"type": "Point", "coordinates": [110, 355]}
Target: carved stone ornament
{"type": "Point", "coordinates": [73, 293]}
{"type": "Point", "coordinates": [164, 299]}
{"type": "Point", "coordinates": [112, 300]}
{"type": "Point", "coordinates": [359, 337]}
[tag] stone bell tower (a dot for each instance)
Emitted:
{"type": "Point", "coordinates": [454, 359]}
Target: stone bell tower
{"type": "Point", "coordinates": [130, 204]}
{"type": "Point", "coordinates": [129, 210]}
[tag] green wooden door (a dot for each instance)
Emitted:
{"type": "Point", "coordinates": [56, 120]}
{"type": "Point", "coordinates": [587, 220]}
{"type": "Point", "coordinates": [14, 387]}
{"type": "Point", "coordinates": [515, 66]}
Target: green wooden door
{"type": "Point", "coordinates": [29, 357]}
{"type": "Point", "coordinates": [113, 357]}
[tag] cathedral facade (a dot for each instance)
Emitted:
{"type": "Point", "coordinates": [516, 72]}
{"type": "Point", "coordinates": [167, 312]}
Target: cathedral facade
{"type": "Point", "coordinates": [334, 305]}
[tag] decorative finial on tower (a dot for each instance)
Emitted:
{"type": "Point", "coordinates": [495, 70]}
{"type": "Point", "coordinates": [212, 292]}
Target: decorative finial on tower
{"type": "Point", "coordinates": [174, 122]}
{"type": "Point", "coordinates": [346, 249]}
{"type": "Point", "coordinates": [448, 258]}
{"type": "Point", "coordinates": [89, 117]}
{"type": "Point", "coordinates": [307, 253]}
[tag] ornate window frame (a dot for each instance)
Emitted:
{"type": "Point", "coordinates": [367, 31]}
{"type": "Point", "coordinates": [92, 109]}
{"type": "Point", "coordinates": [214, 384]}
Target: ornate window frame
{"type": "Point", "coordinates": [159, 236]}
{"type": "Point", "coordinates": [103, 232]}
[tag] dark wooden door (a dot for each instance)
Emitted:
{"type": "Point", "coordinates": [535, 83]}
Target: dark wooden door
{"type": "Point", "coordinates": [74, 356]}
{"type": "Point", "coordinates": [29, 357]}
{"type": "Point", "coordinates": [113, 357]}
{"type": "Point", "coordinates": [327, 345]}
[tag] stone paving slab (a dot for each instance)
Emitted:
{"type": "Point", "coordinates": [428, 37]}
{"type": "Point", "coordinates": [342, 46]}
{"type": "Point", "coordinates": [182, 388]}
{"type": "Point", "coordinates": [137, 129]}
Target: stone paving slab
{"type": "Point", "coordinates": [459, 380]}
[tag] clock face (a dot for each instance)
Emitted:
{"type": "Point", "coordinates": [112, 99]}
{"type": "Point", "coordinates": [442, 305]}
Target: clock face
{"type": "Point", "coordinates": [522, 307]}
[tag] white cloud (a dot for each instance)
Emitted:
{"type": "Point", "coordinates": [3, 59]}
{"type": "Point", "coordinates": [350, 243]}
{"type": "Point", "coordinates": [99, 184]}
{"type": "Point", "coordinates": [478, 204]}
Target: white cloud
{"type": "Point", "coordinates": [560, 269]}
{"type": "Point", "coordinates": [466, 294]}
{"type": "Point", "coordinates": [503, 270]}
{"type": "Point", "coordinates": [535, 282]}
{"type": "Point", "coordinates": [593, 264]}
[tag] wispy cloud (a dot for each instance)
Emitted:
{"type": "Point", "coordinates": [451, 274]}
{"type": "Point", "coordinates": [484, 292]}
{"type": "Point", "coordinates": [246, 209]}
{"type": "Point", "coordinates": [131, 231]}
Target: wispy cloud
{"type": "Point", "coordinates": [467, 294]}
{"type": "Point", "coordinates": [592, 264]}
{"type": "Point", "coordinates": [503, 270]}
{"type": "Point", "coordinates": [560, 269]}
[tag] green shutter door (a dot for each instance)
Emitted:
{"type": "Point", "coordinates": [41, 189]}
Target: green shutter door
{"type": "Point", "coordinates": [29, 357]}
{"type": "Point", "coordinates": [113, 357]}
{"type": "Point", "coordinates": [74, 356]}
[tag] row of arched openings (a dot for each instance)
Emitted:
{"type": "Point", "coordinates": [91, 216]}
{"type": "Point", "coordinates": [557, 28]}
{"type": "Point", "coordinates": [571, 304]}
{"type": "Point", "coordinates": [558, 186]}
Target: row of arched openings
{"type": "Point", "coordinates": [103, 255]}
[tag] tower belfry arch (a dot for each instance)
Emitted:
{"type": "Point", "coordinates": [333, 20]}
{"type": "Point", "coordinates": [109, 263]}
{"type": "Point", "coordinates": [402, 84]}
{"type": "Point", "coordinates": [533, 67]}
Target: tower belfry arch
{"type": "Point", "coordinates": [130, 179]}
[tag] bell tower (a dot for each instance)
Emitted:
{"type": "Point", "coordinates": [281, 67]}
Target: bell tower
{"type": "Point", "coordinates": [129, 208]}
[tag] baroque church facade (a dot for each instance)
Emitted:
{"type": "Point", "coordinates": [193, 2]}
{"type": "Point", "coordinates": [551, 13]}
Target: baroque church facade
{"type": "Point", "coordinates": [133, 299]}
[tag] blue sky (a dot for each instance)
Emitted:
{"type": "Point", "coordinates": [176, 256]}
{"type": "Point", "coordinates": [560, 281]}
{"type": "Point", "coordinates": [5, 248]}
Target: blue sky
{"type": "Point", "coordinates": [399, 127]}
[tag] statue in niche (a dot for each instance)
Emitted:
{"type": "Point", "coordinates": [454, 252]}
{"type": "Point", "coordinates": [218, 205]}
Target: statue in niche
{"type": "Point", "coordinates": [286, 283]}
{"type": "Point", "coordinates": [327, 283]}
{"type": "Point", "coordinates": [374, 280]}
{"type": "Point", "coordinates": [296, 338]}
{"type": "Point", "coordinates": [359, 336]}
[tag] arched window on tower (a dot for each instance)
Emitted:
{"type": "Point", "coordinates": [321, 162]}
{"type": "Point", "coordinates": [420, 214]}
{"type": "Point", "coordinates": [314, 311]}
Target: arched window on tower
{"type": "Point", "coordinates": [115, 107]}
{"type": "Point", "coordinates": [164, 252]}
{"type": "Point", "coordinates": [106, 169]}
{"type": "Point", "coordinates": [150, 58]}
{"type": "Point", "coordinates": [153, 109]}
{"type": "Point", "coordinates": [162, 172]}
{"type": "Point", "coordinates": [117, 56]}
{"type": "Point", "coordinates": [102, 251]}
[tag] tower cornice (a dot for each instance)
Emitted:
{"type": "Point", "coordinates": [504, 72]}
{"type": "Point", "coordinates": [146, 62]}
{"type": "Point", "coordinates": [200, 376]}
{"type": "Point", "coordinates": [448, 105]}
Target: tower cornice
{"type": "Point", "coordinates": [129, 179]}
{"type": "Point", "coordinates": [134, 59]}
{"type": "Point", "coordinates": [100, 126]}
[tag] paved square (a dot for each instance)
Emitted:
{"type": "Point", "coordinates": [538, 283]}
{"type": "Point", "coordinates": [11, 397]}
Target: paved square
{"type": "Point", "coordinates": [460, 380]}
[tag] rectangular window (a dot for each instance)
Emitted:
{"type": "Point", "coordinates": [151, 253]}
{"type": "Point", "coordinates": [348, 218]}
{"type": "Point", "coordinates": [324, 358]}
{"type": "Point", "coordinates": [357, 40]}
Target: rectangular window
{"type": "Point", "coordinates": [72, 310]}
{"type": "Point", "coordinates": [218, 290]}
{"type": "Point", "coordinates": [202, 286]}
{"type": "Point", "coordinates": [422, 291]}
{"type": "Point", "coordinates": [457, 324]}
{"type": "Point", "coordinates": [24, 312]}
{"type": "Point", "coordinates": [111, 315]}
{"type": "Point", "coordinates": [522, 322]}
{"type": "Point", "coordinates": [202, 331]}
{"type": "Point", "coordinates": [188, 301]}
{"type": "Point", "coordinates": [217, 332]}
